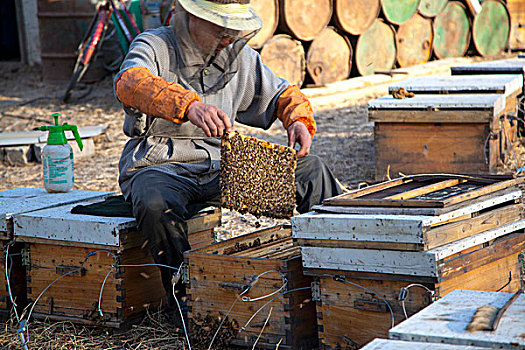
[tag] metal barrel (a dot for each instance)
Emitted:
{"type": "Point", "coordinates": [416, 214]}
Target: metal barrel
{"type": "Point", "coordinates": [62, 25]}
{"type": "Point", "coordinates": [430, 8]}
{"type": "Point", "coordinates": [285, 57]}
{"type": "Point", "coordinates": [414, 41]}
{"type": "Point", "coordinates": [451, 31]}
{"type": "Point", "coordinates": [329, 57]}
{"type": "Point", "coordinates": [268, 11]}
{"type": "Point", "coordinates": [355, 16]}
{"type": "Point", "coordinates": [399, 11]}
{"type": "Point", "coordinates": [491, 28]}
{"type": "Point", "coordinates": [304, 19]}
{"type": "Point", "coordinates": [375, 49]}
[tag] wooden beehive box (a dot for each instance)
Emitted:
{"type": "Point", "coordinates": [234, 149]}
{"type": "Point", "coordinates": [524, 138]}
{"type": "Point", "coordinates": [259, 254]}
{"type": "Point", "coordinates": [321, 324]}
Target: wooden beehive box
{"type": "Point", "coordinates": [498, 67]}
{"type": "Point", "coordinates": [445, 321]}
{"type": "Point", "coordinates": [435, 133]}
{"type": "Point", "coordinates": [220, 272]}
{"type": "Point", "coordinates": [510, 85]}
{"type": "Point", "coordinates": [83, 251]}
{"type": "Point", "coordinates": [416, 231]}
{"type": "Point", "coordinates": [22, 200]}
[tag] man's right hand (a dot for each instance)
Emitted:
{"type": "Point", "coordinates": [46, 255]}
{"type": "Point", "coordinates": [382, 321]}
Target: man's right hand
{"type": "Point", "coordinates": [209, 118]}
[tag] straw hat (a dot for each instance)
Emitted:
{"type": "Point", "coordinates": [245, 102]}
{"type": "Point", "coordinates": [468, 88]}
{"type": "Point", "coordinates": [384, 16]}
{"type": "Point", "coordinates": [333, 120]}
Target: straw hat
{"type": "Point", "coordinates": [232, 14]}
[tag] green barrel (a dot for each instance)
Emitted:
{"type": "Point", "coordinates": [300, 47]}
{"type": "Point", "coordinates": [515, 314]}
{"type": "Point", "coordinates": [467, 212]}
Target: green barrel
{"type": "Point", "coordinates": [451, 31]}
{"type": "Point", "coordinates": [430, 8]}
{"type": "Point", "coordinates": [399, 11]}
{"type": "Point", "coordinates": [491, 28]}
{"type": "Point", "coordinates": [376, 49]}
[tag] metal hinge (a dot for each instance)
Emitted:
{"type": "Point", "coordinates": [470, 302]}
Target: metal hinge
{"type": "Point", "coordinates": [521, 262]}
{"type": "Point", "coordinates": [26, 258]}
{"type": "Point", "coordinates": [316, 291]}
{"type": "Point", "coordinates": [185, 273]}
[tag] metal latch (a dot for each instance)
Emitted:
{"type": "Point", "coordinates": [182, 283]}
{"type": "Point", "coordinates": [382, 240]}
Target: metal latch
{"type": "Point", "coordinates": [316, 291]}
{"type": "Point", "coordinates": [185, 273]}
{"type": "Point", "coordinates": [26, 258]}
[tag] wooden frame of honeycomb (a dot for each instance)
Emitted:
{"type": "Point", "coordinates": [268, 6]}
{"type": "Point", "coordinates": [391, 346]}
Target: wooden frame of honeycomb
{"type": "Point", "coordinates": [257, 176]}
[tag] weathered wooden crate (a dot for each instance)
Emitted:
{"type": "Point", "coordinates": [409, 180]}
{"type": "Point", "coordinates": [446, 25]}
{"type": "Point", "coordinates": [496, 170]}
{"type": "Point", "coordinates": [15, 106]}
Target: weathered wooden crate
{"type": "Point", "coordinates": [510, 85]}
{"type": "Point", "coordinates": [413, 213]}
{"type": "Point", "coordinates": [349, 301]}
{"type": "Point", "coordinates": [445, 321]}
{"type": "Point", "coordinates": [77, 253]}
{"type": "Point", "coordinates": [505, 66]}
{"type": "Point", "coordinates": [426, 230]}
{"type": "Point", "coordinates": [22, 200]}
{"type": "Point", "coordinates": [220, 272]}
{"type": "Point", "coordinates": [438, 133]}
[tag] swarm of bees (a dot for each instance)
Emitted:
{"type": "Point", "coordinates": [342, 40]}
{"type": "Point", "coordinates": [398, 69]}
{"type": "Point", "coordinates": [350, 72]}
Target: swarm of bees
{"type": "Point", "coordinates": [257, 176]}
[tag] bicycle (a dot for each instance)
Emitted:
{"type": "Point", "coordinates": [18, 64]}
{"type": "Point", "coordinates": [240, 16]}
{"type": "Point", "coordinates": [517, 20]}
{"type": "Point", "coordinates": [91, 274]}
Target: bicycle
{"type": "Point", "coordinates": [92, 41]}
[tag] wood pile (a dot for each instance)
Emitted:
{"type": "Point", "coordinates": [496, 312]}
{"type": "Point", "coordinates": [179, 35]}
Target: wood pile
{"type": "Point", "coordinates": [382, 253]}
{"type": "Point", "coordinates": [336, 39]}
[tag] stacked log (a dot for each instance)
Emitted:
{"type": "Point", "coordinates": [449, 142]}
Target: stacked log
{"type": "Point", "coordinates": [331, 40]}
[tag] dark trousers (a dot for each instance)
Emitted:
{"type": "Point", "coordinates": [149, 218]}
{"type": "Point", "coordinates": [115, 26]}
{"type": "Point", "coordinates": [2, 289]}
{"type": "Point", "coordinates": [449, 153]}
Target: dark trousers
{"type": "Point", "coordinates": [162, 202]}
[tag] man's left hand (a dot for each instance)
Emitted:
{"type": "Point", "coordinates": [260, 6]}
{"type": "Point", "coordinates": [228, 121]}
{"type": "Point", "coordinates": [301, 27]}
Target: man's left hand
{"type": "Point", "coordinates": [298, 133]}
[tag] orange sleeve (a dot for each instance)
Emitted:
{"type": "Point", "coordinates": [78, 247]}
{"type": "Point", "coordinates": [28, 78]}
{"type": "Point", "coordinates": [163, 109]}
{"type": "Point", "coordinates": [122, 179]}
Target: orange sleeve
{"type": "Point", "coordinates": [292, 106]}
{"type": "Point", "coordinates": [137, 87]}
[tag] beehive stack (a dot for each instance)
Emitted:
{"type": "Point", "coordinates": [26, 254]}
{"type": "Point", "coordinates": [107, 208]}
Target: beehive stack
{"type": "Point", "coordinates": [427, 233]}
{"type": "Point", "coordinates": [257, 176]}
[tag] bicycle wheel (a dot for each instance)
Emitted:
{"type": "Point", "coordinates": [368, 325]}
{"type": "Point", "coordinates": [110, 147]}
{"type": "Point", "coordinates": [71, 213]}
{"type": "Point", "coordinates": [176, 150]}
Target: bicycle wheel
{"type": "Point", "coordinates": [89, 46]}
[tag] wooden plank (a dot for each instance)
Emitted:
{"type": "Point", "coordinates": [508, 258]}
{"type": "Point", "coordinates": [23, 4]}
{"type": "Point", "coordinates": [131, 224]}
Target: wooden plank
{"type": "Point", "coordinates": [474, 186]}
{"type": "Point", "coordinates": [412, 148]}
{"type": "Point", "coordinates": [454, 231]}
{"type": "Point", "coordinates": [347, 310]}
{"type": "Point", "coordinates": [397, 262]}
{"type": "Point", "coordinates": [495, 103]}
{"type": "Point", "coordinates": [425, 189]}
{"type": "Point", "coordinates": [431, 116]}
{"type": "Point", "coordinates": [445, 321]}
{"type": "Point", "coordinates": [389, 344]}
{"type": "Point", "coordinates": [24, 200]}
{"type": "Point", "coordinates": [504, 66]}
{"type": "Point", "coordinates": [410, 229]}
{"type": "Point", "coordinates": [327, 243]}
{"type": "Point", "coordinates": [504, 84]}
{"type": "Point", "coordinates": [411, 211]}
{"type": "Point", "coordinates": [246, 241]}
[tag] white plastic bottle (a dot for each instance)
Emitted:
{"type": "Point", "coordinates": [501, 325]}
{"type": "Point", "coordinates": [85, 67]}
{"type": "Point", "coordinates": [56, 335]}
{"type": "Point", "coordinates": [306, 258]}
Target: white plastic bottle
{"type": "Point", "coordinates": [57, 157]}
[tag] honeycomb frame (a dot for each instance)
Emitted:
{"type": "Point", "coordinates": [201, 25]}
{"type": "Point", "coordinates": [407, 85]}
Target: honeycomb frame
{"type": "Point", "coordinates": [257, 176]}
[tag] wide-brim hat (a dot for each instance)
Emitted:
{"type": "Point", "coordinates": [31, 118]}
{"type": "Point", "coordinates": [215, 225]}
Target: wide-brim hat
{"type": "Point", "coordinates": [231, 14]}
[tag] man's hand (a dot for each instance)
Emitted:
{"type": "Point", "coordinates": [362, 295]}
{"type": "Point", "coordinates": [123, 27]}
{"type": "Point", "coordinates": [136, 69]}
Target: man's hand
{"type": "Point", "coordinates": [209, 118]}
{"type": "Point", "coordinates": [298, 133]}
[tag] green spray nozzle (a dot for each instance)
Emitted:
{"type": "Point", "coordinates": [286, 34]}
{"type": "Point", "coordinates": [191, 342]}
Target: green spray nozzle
{"type": "Point", "coordinates": [56, 134]}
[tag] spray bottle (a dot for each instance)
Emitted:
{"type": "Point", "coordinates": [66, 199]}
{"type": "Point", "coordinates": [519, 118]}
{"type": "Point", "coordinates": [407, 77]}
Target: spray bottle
{"type": "Point", "coordinates": [57, 157]}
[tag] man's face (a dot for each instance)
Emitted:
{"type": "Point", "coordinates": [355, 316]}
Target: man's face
{"type": "Point", "coordinates": [209, 36]}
